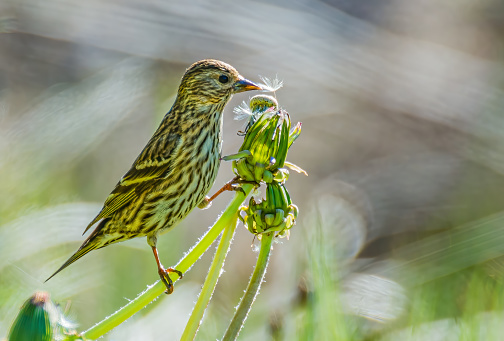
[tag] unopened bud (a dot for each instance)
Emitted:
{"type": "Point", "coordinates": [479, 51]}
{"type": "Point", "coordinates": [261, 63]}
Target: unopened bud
{"type": "Point", "coordinates": [40, 319]}
{"type": "Point", "coordinates": [275, 213]}
{"type": "Point", "coordinates": [267, 140]}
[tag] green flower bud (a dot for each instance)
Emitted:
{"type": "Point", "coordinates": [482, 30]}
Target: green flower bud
{"type": "Point", "coordinates": [258, 106]}
{"type": "Point", "coordinates": [275, 213]}
{"type": "Point", "coordinates": [267, 140]}
{"type": "Point", "coordinates": [36, 319]}
{"type": "Point", "coordinates": [40, 319]}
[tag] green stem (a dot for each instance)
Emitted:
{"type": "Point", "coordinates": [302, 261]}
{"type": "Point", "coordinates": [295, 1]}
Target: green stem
{"type": "Point", "coordinates": [149, 295]}
{"type": "Point", "coordinates": [214, 272]}
{"type": "Point", "coordinates": [252, 289]}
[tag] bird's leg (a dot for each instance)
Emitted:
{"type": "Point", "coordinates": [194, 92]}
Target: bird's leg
{"type": "Point", "coordinates": [229, 186]}
{"type": "Point", "coordinates": [163, 273]}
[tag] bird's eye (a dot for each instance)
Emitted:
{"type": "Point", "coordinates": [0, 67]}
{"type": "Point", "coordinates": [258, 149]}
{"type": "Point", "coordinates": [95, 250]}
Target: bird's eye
{"type": "Point", "coordinates": [223, 79]}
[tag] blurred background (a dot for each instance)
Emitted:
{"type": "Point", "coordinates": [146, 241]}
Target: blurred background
{"type": "Point", "coordinates": [401, 227]}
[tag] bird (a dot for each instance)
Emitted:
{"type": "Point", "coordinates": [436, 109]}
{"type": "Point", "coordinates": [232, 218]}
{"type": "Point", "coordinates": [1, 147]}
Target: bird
{"type": "Point", "coordinates": [175, 170]}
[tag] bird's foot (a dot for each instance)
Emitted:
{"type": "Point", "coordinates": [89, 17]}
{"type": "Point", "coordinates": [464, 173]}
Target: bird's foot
{"type": "Point", "coordinates": [233, 185]}
{"type": "Point", "coordinates": [165, 277]}
{"type": "Point", "coordinates": [208, 200]}
{"type": "Point", "coordinates": [239, 182]}
{"type": "Point", "coordinates": [236, 185]}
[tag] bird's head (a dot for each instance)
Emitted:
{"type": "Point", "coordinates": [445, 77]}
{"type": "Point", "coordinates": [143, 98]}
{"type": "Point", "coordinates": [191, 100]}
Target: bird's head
{"type": "Point", "coordinates": [210, 81]}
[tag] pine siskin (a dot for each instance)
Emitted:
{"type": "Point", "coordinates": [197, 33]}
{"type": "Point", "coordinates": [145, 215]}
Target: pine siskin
{"type": "Point", "coordinates": [175, 170]}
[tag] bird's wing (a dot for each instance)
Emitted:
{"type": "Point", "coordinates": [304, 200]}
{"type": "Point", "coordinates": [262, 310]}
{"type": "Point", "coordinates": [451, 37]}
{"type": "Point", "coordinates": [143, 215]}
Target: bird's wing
{"type": "Point", "coordinates": [154, 163]}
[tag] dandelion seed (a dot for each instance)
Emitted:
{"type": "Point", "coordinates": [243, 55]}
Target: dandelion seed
{"type": "Point", "coordinates": [270, 85]}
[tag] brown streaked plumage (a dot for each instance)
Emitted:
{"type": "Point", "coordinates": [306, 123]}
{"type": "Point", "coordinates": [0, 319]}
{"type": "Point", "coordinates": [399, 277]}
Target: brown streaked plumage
{"type": "Point", "coordinates": [177, 167]}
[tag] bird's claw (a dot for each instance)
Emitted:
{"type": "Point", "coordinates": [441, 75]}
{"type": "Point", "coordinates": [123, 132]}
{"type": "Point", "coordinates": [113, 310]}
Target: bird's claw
{"type": "Point", "coordinates": [165, 277]}
{"type": "Point", "coordinates": [179, 273]}
{"type": "Point", "coordinates": [238, 188]}
{"type": "Point", "coordinates": [236, 185]}
{"type": "Point", "coordinates": [243, 182]}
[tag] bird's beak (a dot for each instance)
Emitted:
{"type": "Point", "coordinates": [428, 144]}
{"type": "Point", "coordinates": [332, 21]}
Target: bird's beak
{"type": "Point", "coordinates": [245, 85]}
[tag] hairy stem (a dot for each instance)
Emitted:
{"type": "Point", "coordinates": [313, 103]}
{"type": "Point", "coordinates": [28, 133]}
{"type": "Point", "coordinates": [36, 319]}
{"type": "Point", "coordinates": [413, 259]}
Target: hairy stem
{"type": "Point", "coordinates": [149, 295]}
{"type": "Point", "coordinates": [252, 289]}
{"type": "Point", "coordinates": [214, 273]}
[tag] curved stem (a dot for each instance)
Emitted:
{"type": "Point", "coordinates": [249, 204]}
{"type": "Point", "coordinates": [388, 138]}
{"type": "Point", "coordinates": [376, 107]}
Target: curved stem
{"type": "Point", "coordinates": [153, 291]}
{"type": "Point", "coordinates": [214, 273]}
{"type": "Point", "coordinates": [252, 289]}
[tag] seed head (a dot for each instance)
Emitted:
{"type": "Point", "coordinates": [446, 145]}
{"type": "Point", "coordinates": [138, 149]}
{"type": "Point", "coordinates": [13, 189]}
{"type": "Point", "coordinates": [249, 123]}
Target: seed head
{"type": "Point", "coordinates": [267, 140]}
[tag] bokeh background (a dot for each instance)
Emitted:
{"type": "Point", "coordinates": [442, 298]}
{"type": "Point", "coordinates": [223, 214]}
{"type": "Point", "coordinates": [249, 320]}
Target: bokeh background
{"type": "Point", "coordinates": [401, 228]}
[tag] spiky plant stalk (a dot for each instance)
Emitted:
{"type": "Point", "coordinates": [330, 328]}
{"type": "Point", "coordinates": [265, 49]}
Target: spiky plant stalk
{"type": "Point", "coordinates": [261, 158]}
{"type": "Point", "coordinates": [214, 273]}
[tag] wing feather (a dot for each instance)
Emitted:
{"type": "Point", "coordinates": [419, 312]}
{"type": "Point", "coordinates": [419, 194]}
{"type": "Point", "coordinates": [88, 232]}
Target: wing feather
{"type": "Point", "coordinates": [152, 165]}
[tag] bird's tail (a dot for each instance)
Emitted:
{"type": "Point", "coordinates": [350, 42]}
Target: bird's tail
{"type": "Point", "coordinates": [93, 242]}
